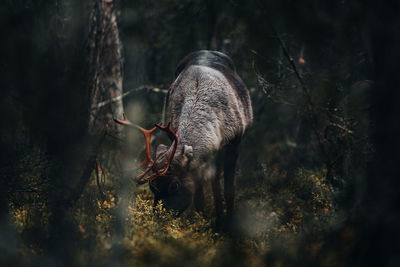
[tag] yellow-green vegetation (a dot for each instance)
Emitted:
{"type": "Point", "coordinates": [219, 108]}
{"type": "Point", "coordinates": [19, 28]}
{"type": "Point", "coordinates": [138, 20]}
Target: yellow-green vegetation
{"type": "Point", "coordinates": [28, 205]}
{"type": "Point", "coordinates": [161, 238]}
{"type": "Point", "coordinates": [280, 219]}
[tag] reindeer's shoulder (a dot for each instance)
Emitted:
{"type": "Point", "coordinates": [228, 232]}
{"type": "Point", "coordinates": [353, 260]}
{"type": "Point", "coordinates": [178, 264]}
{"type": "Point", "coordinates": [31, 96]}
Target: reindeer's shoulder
{"type": "Point", "coordinates": [213, 59]}
{"type": "Point", "coordinates": [212, 66]}
{"type": "Point", "coordinates": [196, 77]}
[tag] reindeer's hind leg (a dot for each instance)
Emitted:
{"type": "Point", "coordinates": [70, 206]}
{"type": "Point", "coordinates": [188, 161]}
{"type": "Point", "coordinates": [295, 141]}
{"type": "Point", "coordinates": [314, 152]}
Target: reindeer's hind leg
{"type": "Point", "coordinates": [216, 188]}
{"type": "Point", "coordinates": [231, 154]}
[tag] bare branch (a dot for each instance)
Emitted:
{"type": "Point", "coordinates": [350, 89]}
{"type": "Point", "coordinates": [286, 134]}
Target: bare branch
{"type": "Point", "coordinates": [118, 98]}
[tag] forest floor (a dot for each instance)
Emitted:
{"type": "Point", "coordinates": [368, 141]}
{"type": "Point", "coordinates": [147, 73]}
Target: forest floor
{"type": "Point", "coordinates": [280, 221]}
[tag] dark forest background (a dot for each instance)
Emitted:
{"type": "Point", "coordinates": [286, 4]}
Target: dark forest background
{"type": "Point", "coordinates": [317, 178]}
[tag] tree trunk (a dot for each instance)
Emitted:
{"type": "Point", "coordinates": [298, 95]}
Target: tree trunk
{"type": "Point", "coordinates": [106, 60]}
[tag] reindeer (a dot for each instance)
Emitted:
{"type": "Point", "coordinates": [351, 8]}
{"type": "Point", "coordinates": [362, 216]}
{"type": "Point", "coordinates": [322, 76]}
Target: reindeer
{"type": "Point", "coordinates": [208, 110]}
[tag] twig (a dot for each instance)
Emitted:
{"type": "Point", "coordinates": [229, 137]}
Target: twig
{"type": "Point", "coordinates": [118, 98]}
{"type": "Point", "coordinates": [99, 169]}
{"type": "Point", "coordinates": [342, 128]}
{"type": "Point", "coordinates": [274, 96]}
{"type": "Point", "coordinates": [310, 105]}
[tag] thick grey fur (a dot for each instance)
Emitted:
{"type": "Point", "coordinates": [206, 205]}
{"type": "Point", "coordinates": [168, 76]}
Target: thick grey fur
{"type": "Point", "coordinates": [210, 108]}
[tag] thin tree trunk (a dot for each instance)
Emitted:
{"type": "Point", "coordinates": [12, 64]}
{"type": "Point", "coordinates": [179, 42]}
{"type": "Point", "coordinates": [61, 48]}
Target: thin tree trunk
{"type": "Point", "coordinates": [106, 60]}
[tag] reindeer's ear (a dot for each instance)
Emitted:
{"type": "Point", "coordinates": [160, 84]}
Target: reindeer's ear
{"type": "Point", "coordinates": [161, 149]}
{"type": "Point", "coordinates": [188, 151]}
{"type": "Point", "coordinates": [187, 155]}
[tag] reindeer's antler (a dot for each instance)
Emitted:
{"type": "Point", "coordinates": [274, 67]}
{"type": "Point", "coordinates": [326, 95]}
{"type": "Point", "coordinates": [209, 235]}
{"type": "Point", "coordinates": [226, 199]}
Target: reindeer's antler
{"type": "Point", "coordinates": [173, 136]}
{"type": "Point", "coordinates": [125, 121]}
{"type": "Point", "coordinates": [147, 135]}
{"type": "Point", "coordinates": [148, 160]}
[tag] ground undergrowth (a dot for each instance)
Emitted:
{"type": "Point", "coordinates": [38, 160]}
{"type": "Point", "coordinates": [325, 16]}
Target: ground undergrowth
{"type": "Point", "coordinates": [281, 220]}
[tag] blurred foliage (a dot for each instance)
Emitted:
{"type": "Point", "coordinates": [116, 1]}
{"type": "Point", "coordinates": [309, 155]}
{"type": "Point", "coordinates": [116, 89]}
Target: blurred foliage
{"type": "Point", "coordinates": [288, 212]}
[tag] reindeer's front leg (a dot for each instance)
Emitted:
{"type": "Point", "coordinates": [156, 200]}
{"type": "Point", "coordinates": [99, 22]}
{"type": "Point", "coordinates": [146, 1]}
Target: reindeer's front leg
{"type": "Point", "coordinates": [231, 155]}
{"type": "Point", "coordinates": [216, 188]}
{"type": "Point", "coordinates": [199, 197]}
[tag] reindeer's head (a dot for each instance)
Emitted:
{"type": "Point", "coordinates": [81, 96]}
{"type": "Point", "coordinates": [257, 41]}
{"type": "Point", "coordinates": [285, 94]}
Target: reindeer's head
{"type": "Point", "coordinates": [166, 174]}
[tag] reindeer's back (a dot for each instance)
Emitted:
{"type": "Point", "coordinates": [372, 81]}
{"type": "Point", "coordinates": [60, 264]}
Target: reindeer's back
{"type": "Point", "coordinates": [221, 62]}
{"type": "Point", "coordinates": [208, 101]}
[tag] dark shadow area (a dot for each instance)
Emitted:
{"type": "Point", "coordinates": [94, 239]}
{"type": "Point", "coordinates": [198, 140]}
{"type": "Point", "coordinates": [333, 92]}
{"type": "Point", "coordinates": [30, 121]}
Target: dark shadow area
{"type": "Point", "coordinates": [317, 175]}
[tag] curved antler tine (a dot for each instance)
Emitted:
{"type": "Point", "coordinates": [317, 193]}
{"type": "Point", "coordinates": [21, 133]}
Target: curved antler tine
{"type": "Point", "coordinates": [168, 130]}
{"type": "Point", "coordinates": [173, 137]}
{"type": "Point", "coordinates": [140, 177]}
{"type": "Point", "coordinates": [170, 158]}
{"type": "Point", "coordinates": [150, 178]}
{"type": "Point", "coordinates": [144, 131]}
{"type": "Point", "coordinates": [147, 136]}
{"type": "Point", "coordinates": [125, 121]}
{"type": "Point", "coordinates": [142, 164]}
